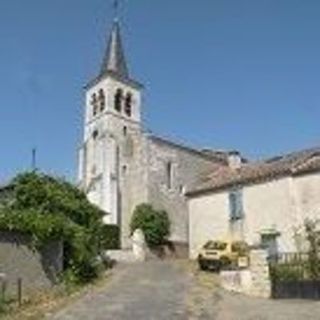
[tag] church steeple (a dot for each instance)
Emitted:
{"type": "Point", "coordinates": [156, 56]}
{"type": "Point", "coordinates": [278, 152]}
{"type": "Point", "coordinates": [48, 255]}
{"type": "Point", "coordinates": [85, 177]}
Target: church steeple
{"type": "Point", "coordinates": [112, 129]}
{"type": "Point", "coordinates": [114, 61]}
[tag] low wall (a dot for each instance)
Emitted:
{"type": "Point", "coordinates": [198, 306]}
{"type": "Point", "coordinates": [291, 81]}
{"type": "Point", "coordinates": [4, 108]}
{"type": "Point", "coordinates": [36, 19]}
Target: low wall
{"type": "Point", "coordinates": [38, 270]}
{"type": "Point", "coordinates": [253, 281]}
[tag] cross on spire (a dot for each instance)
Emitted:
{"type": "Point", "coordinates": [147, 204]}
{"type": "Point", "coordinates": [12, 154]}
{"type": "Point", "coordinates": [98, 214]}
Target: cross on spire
{"type": "Point", "coordinates": [116, 5]}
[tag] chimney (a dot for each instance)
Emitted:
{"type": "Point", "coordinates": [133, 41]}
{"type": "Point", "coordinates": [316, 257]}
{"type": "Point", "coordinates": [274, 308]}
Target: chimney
{"type": "Point", "coordinates": [234, 159]}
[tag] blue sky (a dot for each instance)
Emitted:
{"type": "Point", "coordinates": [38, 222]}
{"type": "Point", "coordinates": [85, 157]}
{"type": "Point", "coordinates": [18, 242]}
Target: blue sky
{"type": "Point", "coordinates": [226, 74]}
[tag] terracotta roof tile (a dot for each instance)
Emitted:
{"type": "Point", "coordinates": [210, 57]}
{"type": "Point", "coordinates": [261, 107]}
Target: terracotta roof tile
{"type": "Point", "coordinates": [296, 163]}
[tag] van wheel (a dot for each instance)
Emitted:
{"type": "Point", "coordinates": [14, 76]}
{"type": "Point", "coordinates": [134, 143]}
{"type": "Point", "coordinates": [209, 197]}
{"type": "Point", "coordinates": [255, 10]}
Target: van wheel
{"type": "Point", "coordinates": [202, 265]}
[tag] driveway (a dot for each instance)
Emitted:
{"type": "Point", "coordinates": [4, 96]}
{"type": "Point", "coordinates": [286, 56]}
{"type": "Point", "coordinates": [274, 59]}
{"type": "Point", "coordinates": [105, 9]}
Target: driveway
{"type": "Point", "coordinates": [167, 290]}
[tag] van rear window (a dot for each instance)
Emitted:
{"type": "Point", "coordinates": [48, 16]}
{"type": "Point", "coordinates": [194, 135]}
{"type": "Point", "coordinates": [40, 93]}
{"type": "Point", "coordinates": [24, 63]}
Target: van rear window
{"type": "Point", "coordinates": [215, 245]}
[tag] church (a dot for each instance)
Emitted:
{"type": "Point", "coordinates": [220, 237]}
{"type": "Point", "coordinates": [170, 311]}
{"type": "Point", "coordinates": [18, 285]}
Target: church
{"type": "Point", "coordinates": [121, 164]}
{"type": "Point", "coordinates": [206, 193]}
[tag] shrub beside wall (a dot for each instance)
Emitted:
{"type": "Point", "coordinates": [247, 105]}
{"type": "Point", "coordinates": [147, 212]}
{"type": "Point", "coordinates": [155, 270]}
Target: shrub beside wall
{"type": "Point", "coordinates": [51, 209]}
{"type": "Point", "coordinates": [155, 224]}
{"type": "Point", "coordinates": [110, 237]}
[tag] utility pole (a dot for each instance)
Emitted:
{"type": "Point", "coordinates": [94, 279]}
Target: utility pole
{"type": "Point", "coordinates": [34, 159]}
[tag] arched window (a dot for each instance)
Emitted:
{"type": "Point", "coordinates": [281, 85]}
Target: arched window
{"type": "Point", "coordinates": [95, 134]}
{"type": "Point", "coordinates": [128, 105]}
{"type": "Point", "coordinates": [102, 100]}
{"type": "Point", "coordinates": [94, 103]}
{"type": "Point", "coordinates": [125, 131]}
{"type": "Point", "coordinates": [118, 100]}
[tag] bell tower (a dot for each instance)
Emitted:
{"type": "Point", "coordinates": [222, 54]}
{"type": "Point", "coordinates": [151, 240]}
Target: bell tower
{"type": "Point", "coordinates": [112, 116]}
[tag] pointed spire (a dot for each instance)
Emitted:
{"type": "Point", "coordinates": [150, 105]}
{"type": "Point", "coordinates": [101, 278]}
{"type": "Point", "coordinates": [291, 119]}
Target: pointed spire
{"type": "Point", "coordinates": [114, 60]}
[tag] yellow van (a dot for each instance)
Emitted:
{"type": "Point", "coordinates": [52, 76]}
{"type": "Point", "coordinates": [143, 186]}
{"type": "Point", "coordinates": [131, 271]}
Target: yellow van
{"type": "Point", "coordinates": [222, 254]}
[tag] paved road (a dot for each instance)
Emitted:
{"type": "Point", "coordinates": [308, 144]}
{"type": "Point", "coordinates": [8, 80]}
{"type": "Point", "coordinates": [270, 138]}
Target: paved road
{"type": "Point", "coordinates": [159, 290]}
{"type": "Point", "coordinates": [154, 290]}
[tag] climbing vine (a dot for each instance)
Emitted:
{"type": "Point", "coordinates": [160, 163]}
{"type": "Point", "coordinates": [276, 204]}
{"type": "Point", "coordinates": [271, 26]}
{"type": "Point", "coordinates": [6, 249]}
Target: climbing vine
{"type": "Point", "coordinates": [47, 209]}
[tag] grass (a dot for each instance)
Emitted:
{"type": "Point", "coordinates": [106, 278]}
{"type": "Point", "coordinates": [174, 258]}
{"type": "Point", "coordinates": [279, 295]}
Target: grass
{"type": "Point", "coordinates": [41, 304]}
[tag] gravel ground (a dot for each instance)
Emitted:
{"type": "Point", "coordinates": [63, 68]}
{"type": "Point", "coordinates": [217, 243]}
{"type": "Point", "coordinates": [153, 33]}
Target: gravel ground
{"type": "Point", "coordinates": [167, 290]}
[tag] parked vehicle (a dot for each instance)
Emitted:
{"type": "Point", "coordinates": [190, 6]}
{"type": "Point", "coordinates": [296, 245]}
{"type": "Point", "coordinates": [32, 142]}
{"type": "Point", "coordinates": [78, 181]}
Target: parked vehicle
{"type": "Point", "coordinates": [218, 255]}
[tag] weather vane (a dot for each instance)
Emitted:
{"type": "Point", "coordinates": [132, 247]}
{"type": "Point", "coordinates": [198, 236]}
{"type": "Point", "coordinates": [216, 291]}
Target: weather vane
{"type": "Point", "coordinates": [116, 9]}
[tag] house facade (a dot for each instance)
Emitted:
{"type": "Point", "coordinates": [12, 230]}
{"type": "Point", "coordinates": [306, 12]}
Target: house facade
{"type": "Point", "coordinates": [263, 203]}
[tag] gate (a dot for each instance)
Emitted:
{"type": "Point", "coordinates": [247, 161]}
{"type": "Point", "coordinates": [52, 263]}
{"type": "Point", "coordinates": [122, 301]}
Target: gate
{"type": "Point", "coordinates": [293, 276]}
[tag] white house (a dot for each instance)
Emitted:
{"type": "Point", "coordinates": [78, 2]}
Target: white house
{"type": "Point", "coordinates": [259, 202]}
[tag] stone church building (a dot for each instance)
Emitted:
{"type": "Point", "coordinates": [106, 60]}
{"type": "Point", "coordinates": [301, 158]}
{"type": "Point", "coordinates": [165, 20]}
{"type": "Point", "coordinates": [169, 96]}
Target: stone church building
{"type": "Point", "coordinates": [121, 164]}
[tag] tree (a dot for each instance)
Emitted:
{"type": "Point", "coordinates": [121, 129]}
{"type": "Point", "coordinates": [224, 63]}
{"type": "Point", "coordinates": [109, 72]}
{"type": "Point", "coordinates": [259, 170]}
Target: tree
{"type": "Point", "coordinates": [155, 224]}
{"type": "Point", "coordinates": [49, 208]}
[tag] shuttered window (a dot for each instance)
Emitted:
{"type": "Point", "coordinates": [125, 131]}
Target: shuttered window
{"type": "Point", "coordinates": [236, 204]}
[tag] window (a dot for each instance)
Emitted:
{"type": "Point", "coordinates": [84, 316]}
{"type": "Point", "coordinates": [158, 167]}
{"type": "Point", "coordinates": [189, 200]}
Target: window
{"type": "Point", "coordinates": [102, 100]}
{"type": "Point", "coordinates": [128, 105]}
{"type": "Point", "coordinates": [236, 205]}
{"type": "Point", "coordinates": [94, 103]}
{"type": "Point", "coordinates": [269, 242]}
{"type": "Point", "coordinates": [95, 134]}
{"type": "Point", "coordinates": [118, 100]}
{"type": "Point", "coordinates": [95, 110]}
{"type": "Point", "coordinates": [169, 174]}
{"type": "Point", "coordinates": [215, 245]}
{"type": "Point", "coordinates": [125, 131]}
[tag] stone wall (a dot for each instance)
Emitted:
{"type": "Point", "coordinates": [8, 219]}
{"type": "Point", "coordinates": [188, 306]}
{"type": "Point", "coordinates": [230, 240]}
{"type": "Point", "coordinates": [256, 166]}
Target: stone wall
{"type": "Point", "coordinates": [36, 269]}
{"type": "Point", "coordinates": [187, 166]}
{"type": "Point", "coordinates": [254, 281]}
{"type": "Point", "coordinates": [260, 276]}
{"type": "Point", "coordinates": [133, 182]}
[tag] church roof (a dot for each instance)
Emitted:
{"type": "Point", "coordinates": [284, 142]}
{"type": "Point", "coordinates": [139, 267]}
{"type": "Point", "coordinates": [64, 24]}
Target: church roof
{"type": "Point", "coordinates": [293, 164]}
{"type": "Point", "coordinates": [219, 156]}
{"type": "Point", "coordinates": [114, 60]}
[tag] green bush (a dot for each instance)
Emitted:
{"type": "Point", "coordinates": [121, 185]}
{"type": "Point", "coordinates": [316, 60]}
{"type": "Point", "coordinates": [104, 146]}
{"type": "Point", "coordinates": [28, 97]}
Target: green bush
{"type": "Point", "coordinates": [110, 237]}
{"type": "Point", "coordinates": [286, 272]}
{"type": "Point", "coordinates": [155, 224]}
{"type": "Point", "coordinates": [49, 209]}
{"type": "Point", "coordinates": [313, 238]}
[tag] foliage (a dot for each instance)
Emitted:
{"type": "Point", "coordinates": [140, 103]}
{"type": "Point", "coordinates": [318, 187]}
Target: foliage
{"type": "Point", "coordinates": [110, 237]}
{"type": "Point", "coordinates": [313, 238]}
{"type": "Point", "coordinates": [302, 267]}
{"type": "Point", "coordinates": [49, 209]}
{"type": "Point", "coordinates": [155, 224]}
{"type": "Point", "coordinates": [286, 272]}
